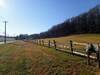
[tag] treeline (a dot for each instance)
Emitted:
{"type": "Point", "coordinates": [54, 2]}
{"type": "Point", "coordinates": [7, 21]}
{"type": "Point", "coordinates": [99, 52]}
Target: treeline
{"type": "Point", "coordinates": [88, 22]}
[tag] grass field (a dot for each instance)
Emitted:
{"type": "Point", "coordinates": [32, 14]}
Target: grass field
{"type": "Point", "coordinates": [84, 38]}
{"type": "Point", "coordinates": [23, 58]}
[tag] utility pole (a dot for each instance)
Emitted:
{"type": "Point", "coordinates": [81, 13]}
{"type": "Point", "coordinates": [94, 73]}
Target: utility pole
{"type": "Point", "coordinates": [5, 22]}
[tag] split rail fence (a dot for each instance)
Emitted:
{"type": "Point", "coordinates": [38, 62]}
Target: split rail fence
{"type": "Point", "coordinates": [73, 48]}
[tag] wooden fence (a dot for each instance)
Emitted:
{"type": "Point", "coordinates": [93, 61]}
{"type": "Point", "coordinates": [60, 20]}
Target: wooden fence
{"type": "Point", "coordinates": [71, 47]}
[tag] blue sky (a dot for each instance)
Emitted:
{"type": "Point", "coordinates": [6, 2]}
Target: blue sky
{"type": "Point", "coordinates": [35, 16]}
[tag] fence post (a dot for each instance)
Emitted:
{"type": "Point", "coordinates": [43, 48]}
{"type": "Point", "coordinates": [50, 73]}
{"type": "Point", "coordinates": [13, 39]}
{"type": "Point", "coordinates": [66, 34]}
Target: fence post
{"type": "Point", "coordinates": [43, 42]}
{"type": "Point", "coordinates": [39, 42]}
{"type": "Point", "coordinates": [49, 43]}
{"type": "Point", "coordinates": [71, 46]}
{"type": "Point", "coordinates": [36, 41]}
{"type": "Point", "coordinates": [88, 53]}
{"type": "Point", "coordinates": [55, 46]}
{"type": "Point", "coordinates": [33, 41]}
{"type": "Point", "coordinates": [88, 58]}
{"type": "Point", "coordinates": [98, 56]}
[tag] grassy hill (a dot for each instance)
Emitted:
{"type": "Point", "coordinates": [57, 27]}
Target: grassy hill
{"type": "Point", "coordinates": [86, 38]}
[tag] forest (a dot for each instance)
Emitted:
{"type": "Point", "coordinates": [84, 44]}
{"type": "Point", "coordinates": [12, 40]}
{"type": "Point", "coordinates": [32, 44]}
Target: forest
{"type": "Point", "coordinates": [88, 22]}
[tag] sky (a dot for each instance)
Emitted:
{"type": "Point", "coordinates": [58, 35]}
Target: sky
{"type": "Point", "coordinates": [35, 16]}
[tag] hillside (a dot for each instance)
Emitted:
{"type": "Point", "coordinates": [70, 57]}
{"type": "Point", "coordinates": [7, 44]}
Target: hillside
{"type": "Point", "coordinates": [85, 23]}
{"type": "Point", "coordinates": [84, 38]}
{"type": "Point", "coordinates": [88, 22]}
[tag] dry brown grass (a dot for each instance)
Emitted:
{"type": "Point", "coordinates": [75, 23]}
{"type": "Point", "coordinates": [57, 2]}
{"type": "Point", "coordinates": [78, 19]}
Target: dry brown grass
{"type": "Point", "coordinates": [23, 58]}
{"type": "Point", "coordinates": [84, 38]}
